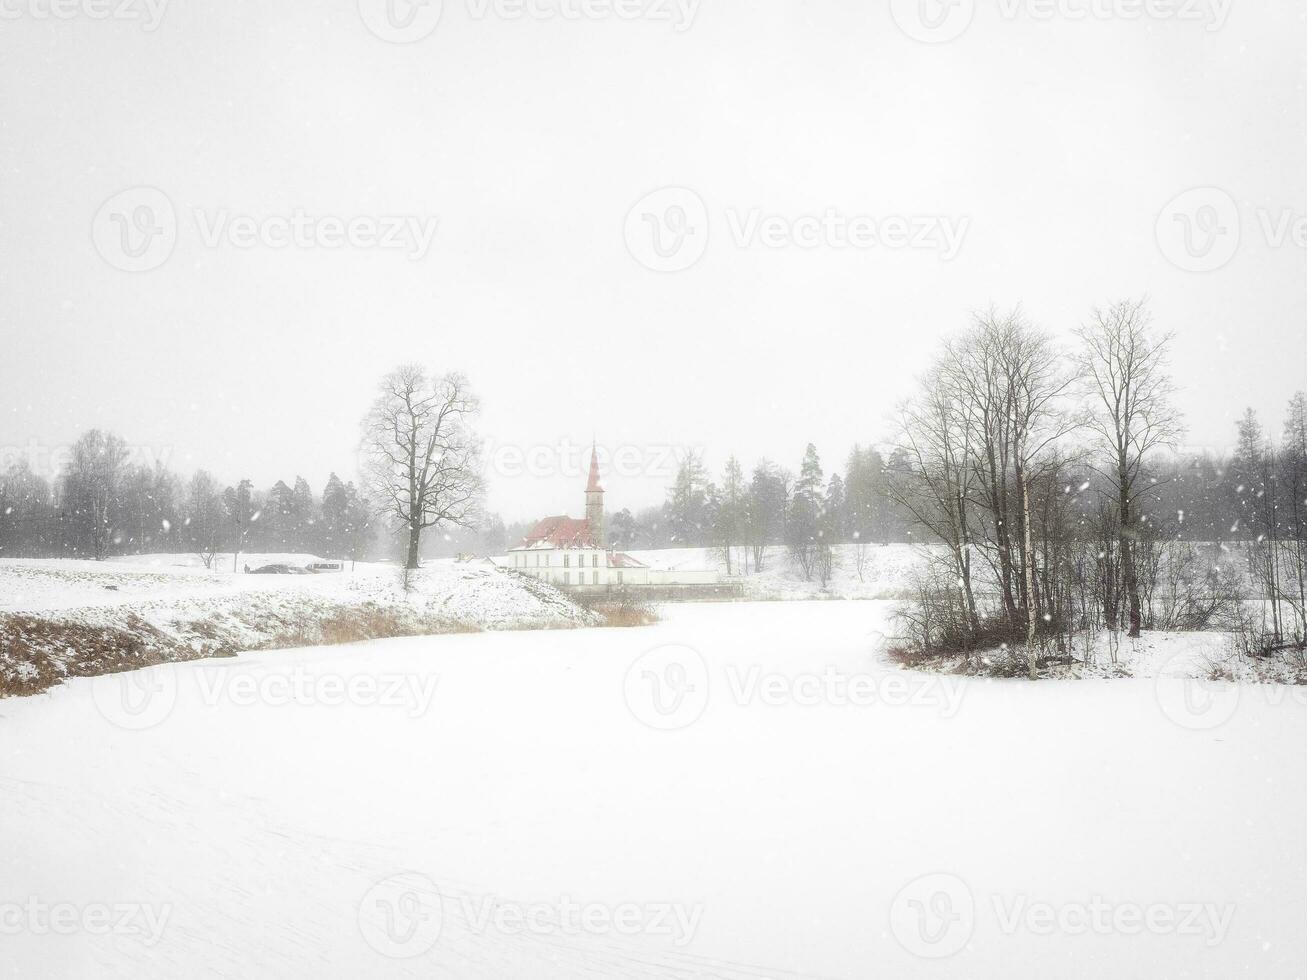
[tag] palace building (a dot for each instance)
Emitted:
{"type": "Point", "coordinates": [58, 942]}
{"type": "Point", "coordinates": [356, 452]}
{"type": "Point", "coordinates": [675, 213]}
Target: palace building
{"type": "Point", "coordinates": [573, 551]}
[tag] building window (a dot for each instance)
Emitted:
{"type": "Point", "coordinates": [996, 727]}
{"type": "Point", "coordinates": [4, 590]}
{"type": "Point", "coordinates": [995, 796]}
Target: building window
{"type": "Point", "coordinates": [594, 561]}
{"type": "Point", "coordinates": [567, 561]}
{"type": "Point", "coordinates": [594, 578]}
{"type": "Point", "coordinates": [567, 577]}
{"type": "Point", "coordinates": [619, 576]}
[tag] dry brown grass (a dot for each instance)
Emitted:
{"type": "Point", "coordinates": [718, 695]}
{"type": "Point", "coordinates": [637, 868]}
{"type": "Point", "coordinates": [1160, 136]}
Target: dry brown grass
{"type": "Point", "coordinates": [50, 650]}
{"type": "Point", "coordinates": [38, 652]}
{"type": "Point", "coordinates": [621, 610]}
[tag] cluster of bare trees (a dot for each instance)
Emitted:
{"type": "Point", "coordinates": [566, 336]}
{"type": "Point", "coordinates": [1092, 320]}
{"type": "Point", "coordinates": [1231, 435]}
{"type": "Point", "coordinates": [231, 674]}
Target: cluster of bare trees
{"type": "Point", "coordinates": [1032, 466]}
{"type": "Point", "coordinates": [1270, 494]}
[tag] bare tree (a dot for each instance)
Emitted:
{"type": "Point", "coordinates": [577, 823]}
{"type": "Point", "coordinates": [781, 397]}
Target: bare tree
{"type": "Point", "coordinates": [423, 458]}
{"type": "Point", "coordinates": [861, 549]}
{"type": "Point", "coordinates": [1036, 380]}
{"type": "Point", "coordinates": [1123, 367]}
{"type": "Point", "coordinates": [931, 476]}
{"type": "Point", "coordinates": [204, 517]}
{"type": "Point", "coordinates": [1293, 484]}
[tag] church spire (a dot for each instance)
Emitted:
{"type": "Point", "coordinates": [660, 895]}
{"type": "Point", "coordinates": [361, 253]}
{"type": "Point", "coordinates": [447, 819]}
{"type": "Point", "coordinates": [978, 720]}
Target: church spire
{"type": "Point", "coordinates": [593, 486]}
{"type": "Point", "coordinates": [594, 499]}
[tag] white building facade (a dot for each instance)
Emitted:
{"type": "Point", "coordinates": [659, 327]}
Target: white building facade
{"type": "Point", "coordinates": [571, 553]}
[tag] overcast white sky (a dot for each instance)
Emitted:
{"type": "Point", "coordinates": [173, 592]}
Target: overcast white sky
{"type": "Point", "coordinates": [1056, 141]}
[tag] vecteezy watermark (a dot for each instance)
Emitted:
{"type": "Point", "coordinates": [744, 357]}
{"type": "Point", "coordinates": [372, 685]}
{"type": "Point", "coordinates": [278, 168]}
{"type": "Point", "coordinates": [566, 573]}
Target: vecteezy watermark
{"type": "Point", "coordinates": [136, 230]}
{"type": "Point", "coordinates": [38, 917]}
{"type": "Point", "coordinates": [141, 699]}
{"type": "Point", "coordinates": [1199, 230]}
{"type": "Point", "coordinates": [52, 459]}
{"type": "Point", "coordinates": [1206, 921]}
{"type": "Point", "coordinates": [401, 916]}
{"type": "Point", "coordinates": [243, 687]}
{"type": "Point", "coordinates": [400, 21]}
{"type": "Point", "coordinates": [668, 230]}
{"type": "Point", "coordinates": [933, 916]}
{"type": "Point", "coordinates": [939, 21]}
{"type": "Point", "coordinates": [1202, 703]}
{"type": "Point", "coordinates": [838, 688]}
{"type": "Point", "coordinates": [406, 21]}
{"type": "Point", "coordinates": [673, 921]}
{"type": "Point", "coordinates": [669, 688]}
{"type": "Point", "coordinates": [149, 13]}
{"type": "Point", "coordinates": [136, 699]}
{"type": "Point", "coordinates": [572, 459]}
{"type": "Point", "coordinates": [299, 229]}
{"type": "Point", "coordinates": [933, 21]}
{"type": "Point", "coordinates": [831, 230]}
{"type": "Point", "coordinates": [1196, 703]}
{"type": "Point", "coordinates": [679, 14]}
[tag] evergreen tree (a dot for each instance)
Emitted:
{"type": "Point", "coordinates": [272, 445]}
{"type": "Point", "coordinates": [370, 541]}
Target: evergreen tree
{"type": "Point", "coordinates": [335, 501]}
{"type": "Point", "coordinates": [802, 523]}
{"type": "Point", "coordinates": [688, 502]}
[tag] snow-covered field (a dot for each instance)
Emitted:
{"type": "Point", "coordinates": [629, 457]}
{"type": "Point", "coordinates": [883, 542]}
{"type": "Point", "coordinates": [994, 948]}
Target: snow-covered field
{"type": "Point", "coordinates": [742, 790]}
{"type": "Point", "coordinates": [872, 572]}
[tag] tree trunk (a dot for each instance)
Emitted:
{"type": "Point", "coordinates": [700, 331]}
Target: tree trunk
{"type": "Point", "coordinates": [1028, 559]}
{"type": "Point", "coordinates": [1126, 535]}
{"type": "Point", "coordinates": [412, 562]}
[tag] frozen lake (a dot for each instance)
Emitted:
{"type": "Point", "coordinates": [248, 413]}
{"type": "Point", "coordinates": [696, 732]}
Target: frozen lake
{"type": "Point", "coordinates": [741, 790]}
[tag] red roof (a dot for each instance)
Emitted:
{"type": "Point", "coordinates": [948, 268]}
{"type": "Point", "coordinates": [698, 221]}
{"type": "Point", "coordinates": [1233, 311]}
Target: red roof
{"type": "Point", "coordinates": [561, 532]}
{"type": "Point", "coordinates": [619, 559]}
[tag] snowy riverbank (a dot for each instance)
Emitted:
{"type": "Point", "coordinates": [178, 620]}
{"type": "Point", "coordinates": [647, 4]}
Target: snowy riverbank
{"type": "Point", "coordinates": [69, 618]}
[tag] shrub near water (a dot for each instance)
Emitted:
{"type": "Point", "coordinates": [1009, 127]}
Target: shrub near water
{"type": "Point", "coordinates": [622, 609]}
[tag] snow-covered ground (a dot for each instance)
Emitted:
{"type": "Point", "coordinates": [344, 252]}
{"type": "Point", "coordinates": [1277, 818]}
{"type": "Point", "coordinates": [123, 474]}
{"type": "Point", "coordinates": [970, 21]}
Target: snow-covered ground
{"type": "Point", "coordinates": [870, 572]}
{"type": "Point", "coordinates": [74, 617]}
{"type": "Point", "coordinates": [42, 585]}
{"type": "Point", "coordinates": [742, 790]}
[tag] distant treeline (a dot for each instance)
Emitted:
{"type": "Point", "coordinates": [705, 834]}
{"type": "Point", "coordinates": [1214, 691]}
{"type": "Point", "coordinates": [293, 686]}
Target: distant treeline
{"type": "Point", "coordinates": [103, 504]}
{"type": "Point", "coordinates": [1190, 497]}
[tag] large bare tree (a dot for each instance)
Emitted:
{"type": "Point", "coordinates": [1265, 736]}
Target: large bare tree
{"type": "Point", "coordinates": [423, 459]}
{"type": "Point", "coordinates": [1123, 367]}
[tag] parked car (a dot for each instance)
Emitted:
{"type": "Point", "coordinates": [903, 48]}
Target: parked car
{"type": "Point", "coordinates": [325, 566]}
{"type": "Point", "coordinates": [280, 570]}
